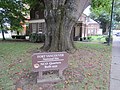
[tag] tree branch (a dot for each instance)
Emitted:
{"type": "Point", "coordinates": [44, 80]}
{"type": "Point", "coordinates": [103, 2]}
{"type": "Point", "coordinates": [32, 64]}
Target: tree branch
{"type": "Point", "coordinates": [74, 8]}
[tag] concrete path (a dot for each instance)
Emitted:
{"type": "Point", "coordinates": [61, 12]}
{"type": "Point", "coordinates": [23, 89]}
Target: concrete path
{"type": "Point", "coordinates": [115, 65]}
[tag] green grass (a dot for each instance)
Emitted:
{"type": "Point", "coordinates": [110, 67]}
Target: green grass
{"type": "Point", "coordinates": [88, 67]}
{"type": "Point", "coordinates": [14, 58]}
{"type": "Point", "coordinates": [98, 38]}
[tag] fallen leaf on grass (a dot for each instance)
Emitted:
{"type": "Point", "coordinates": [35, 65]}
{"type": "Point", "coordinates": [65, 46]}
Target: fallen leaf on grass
{"type": "Point", "coordinates": [89, 74]}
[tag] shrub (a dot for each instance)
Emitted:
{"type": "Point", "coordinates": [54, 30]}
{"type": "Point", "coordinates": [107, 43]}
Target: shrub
{"type": "Point", "coordinates": [18, 36]}
{"type": "Point", "coordinates": [89, 37]}
{"type": "Point", "coordinates": [107, 38]}
{"type": "Point", "coordinates": [76, 38]}
{"type": "Point", "coordinates": [13, 37]}
{"type": "Point", "coordinates": [84, 38]}
{"type": "Point", "coordinates": [34, 37]}
{"type": "Point", "coordinates": [81, 39]}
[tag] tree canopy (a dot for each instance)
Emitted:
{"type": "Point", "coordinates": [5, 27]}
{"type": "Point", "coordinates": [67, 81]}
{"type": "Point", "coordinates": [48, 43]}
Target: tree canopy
{"type": "Point", "coordinates": [12, 12]}
{"type": "Point", "coordinates": [101, 11]}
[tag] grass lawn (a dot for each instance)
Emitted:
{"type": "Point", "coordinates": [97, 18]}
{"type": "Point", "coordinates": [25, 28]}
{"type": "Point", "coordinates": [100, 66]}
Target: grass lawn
{"type": "Point", "coordinates": [15, 59]}
{"type": "Point", "coordinates": [98, 38]}
{"type": "Point", "coordinates": [88, 67]}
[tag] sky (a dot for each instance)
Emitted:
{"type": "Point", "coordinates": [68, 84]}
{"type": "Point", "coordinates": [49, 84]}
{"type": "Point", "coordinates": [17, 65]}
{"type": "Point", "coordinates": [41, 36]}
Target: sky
{"type": "Point", "coordinates": [87, 11]}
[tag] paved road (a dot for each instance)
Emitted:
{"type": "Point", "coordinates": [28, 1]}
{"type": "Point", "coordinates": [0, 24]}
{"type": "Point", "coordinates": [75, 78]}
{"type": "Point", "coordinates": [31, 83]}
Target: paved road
{"type": "Point", "coordinates": [115, 65]}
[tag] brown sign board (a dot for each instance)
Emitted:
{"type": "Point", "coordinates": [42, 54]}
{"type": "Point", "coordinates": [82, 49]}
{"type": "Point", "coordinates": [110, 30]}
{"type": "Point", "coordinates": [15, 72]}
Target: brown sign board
{"type": "Point", "coordinates": [49, 61]}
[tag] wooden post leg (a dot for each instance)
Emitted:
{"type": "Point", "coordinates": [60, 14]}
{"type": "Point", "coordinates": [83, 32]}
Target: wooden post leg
{"type": "Point", "coordinates": [60, 73]}
{"type": "Point", "coordinates": [40, 75]}
{"type": "Point", "coordinates": [39, 78]}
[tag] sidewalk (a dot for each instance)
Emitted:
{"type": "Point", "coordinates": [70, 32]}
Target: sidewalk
{"type": "Point", "coordinates": [115, 65]}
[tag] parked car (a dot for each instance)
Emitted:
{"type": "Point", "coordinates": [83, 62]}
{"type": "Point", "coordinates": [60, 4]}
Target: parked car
{"type": "Point", "coordinates": [117, 34]}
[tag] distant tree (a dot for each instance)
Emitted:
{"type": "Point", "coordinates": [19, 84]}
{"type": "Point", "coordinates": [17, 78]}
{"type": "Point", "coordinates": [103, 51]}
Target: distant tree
{"type": "Point", "coordinates": [116, 10]}
{"type": "Point", "coordinates": [11, 11]}
{"type": "Point", "coordinates": [101, 10]}
{"type": "Point", "coordinates": [116, 15]}
{"type": "Point", "coordinates": [103, 19]}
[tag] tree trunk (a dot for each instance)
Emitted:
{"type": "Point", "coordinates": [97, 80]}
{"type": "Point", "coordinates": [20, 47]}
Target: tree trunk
{"type": "Point", "coordinates": [60, 17]}
{"type": "Point", "coordinates": [105, 28]}
{"type": "Point", "coordinates": [17, 32]}
{"type": "Point", "coordinates": [3, 33]}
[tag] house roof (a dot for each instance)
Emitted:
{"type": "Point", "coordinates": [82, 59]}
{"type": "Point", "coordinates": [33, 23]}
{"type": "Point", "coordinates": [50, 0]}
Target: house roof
{"type": "Point", "coordinates": [91, 21]}
{"type": "Point", "coordinates": [87, 19]}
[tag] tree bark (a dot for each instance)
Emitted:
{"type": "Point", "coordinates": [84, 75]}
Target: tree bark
{"type": "Point", "coordinates": [105, 27]}
{"type": "Point", "coordinates": [2, 33]}
{"type": "Point", "coordinates": [60, 17]}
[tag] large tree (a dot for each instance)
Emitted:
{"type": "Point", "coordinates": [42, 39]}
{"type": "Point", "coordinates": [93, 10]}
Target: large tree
{"type": "Point", "coordinates": [101, 11]}
{"type": "Point", "coordinates": [60, 17]}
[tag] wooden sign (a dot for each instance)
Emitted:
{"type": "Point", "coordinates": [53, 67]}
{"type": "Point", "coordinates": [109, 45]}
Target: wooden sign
{"type": "Point", "coordinates": [42, 62]}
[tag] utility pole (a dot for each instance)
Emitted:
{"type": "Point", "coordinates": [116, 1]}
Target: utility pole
{"type": "Point", "coordinates": [111, 19]}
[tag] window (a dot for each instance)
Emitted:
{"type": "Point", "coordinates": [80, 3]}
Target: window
{"type": "Point", "coordinates": [33, 28]}
{"type": "Point", "coordinates": [37, 15]}
{"type": "Point", "coordinates": [40, 27]}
